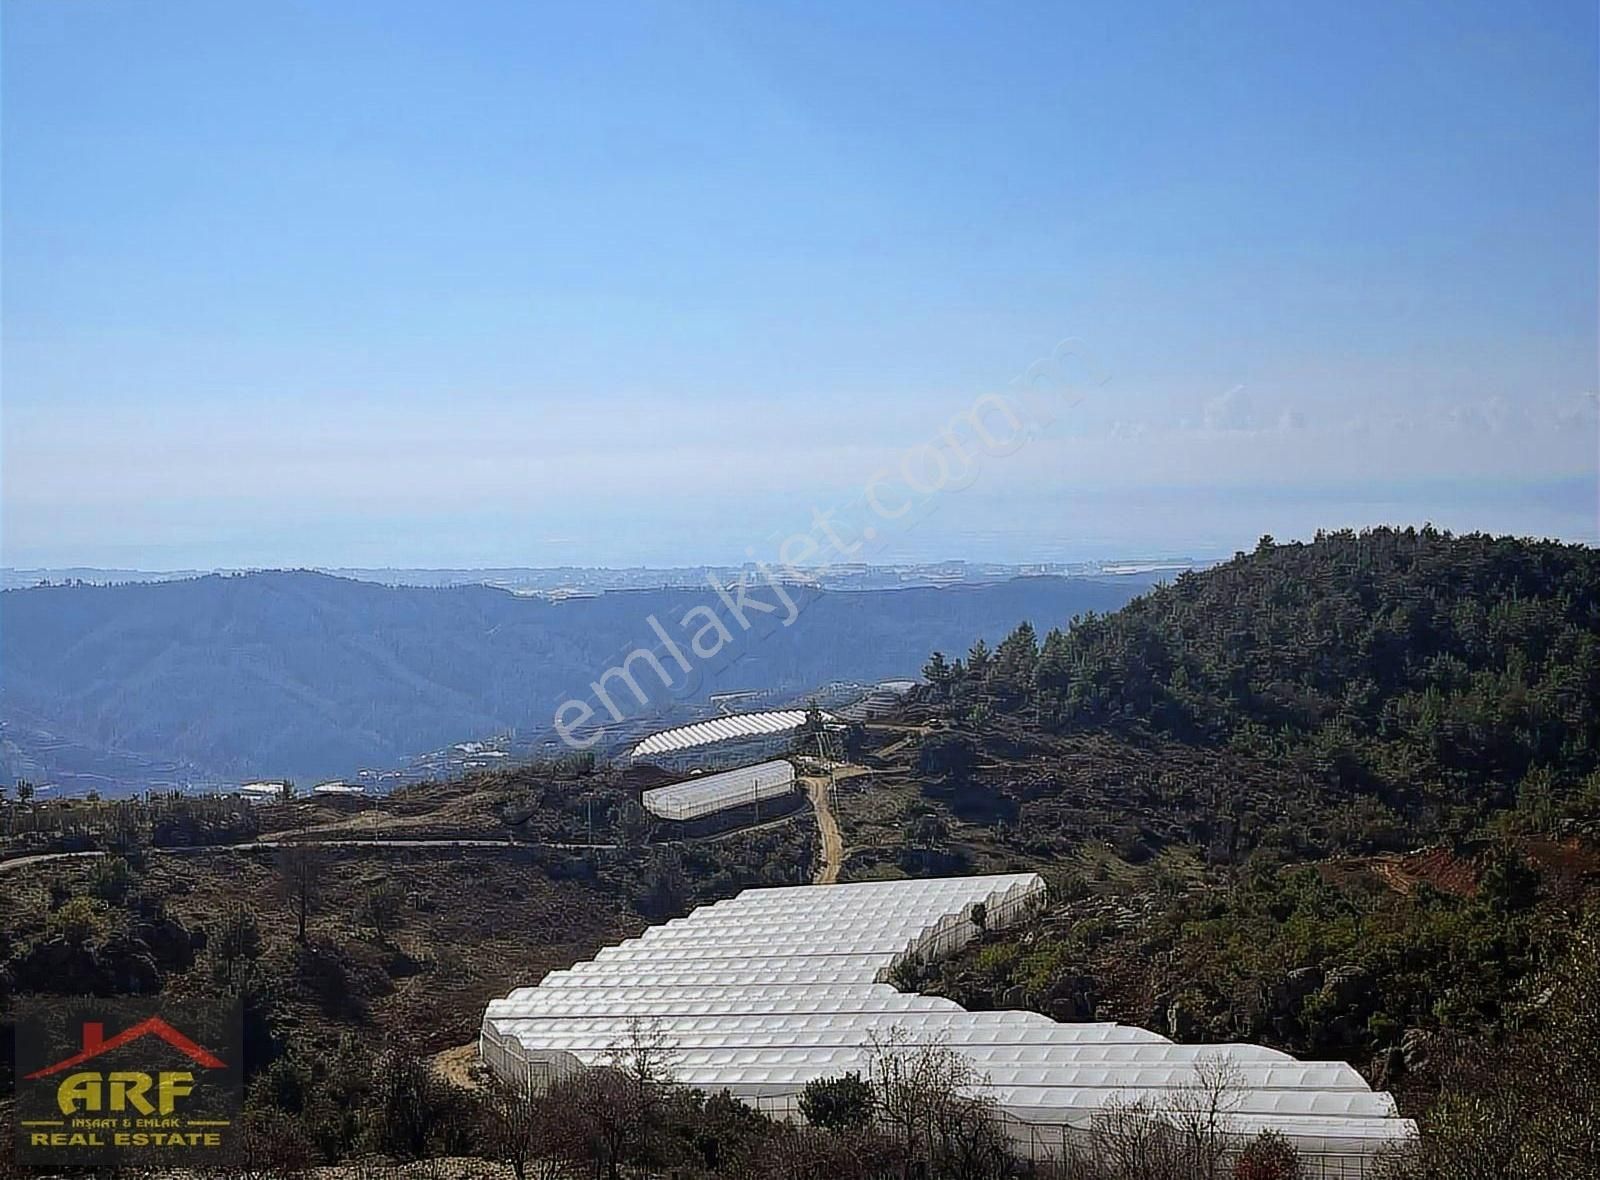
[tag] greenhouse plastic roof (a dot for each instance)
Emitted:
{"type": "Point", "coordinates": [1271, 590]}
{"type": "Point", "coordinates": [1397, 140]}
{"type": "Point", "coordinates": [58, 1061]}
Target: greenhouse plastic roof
{"type": "Point", "coordinates": [722, 729]}
{"type": "Point", "coordinates": [717, 792]}
{"type": "Point", "coordinates": [767, 991]}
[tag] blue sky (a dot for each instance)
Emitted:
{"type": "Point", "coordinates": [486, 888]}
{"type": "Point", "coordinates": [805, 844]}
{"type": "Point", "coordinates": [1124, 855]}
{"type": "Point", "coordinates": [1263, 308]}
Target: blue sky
{"type": "Point", "coordinates": [455, 284]}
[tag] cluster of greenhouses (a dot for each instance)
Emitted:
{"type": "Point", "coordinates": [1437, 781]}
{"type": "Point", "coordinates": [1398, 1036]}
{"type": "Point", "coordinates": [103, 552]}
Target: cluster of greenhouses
{"type": "Point", "coordinates": [762, 993]}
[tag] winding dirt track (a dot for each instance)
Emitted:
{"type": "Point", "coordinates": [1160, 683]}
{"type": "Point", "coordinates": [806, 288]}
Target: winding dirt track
{"type": "Point", "coordinates": [828, 829]}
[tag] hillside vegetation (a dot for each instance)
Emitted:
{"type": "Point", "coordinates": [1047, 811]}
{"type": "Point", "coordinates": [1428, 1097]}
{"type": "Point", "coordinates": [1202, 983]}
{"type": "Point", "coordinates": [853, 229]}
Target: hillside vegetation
{"type": "Point", "coordinates": [1416, 681]}
{"type": "Point", "coordinates": [1229, 782]}
{"type": "Point", "coordinates": [356, 955]}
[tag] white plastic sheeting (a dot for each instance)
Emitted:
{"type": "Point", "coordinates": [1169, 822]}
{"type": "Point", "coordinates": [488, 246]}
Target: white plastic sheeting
{"type": "Point", "coordinates": [695, 797]}
{"type": "Point", "coordinates": [763, 993]}
{"type": "Point", "coordinates": [880, 699]}
{"type": "Point", "coordinates": [723, 729]}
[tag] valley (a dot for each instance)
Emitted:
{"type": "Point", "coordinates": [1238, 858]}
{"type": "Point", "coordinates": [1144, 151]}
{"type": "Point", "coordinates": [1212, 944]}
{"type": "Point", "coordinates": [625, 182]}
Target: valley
{"type": "Point", "coordinates": [210, 682]}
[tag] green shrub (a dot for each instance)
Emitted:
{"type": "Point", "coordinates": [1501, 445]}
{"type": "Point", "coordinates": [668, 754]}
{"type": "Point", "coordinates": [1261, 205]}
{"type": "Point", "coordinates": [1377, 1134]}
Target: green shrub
{"type": "Point", "coordinates": [79, 921]}
{"type": "Point", "coordinates": [997, 960]}
{"type": "Point", "coordinates": [110, 879]}
{"type": "Point", "coordinates": [837, 1104]}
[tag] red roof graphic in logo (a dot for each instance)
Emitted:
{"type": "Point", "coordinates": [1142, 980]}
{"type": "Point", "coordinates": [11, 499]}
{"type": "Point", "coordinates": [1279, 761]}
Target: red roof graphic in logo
{"type": "Point", "coordinates": [95, 1043]}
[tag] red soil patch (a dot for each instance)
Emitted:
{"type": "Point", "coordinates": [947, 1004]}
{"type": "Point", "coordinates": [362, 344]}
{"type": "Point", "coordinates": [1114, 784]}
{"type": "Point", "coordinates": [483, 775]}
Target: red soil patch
{"type": "Point", "coordinates": [1564, 863]}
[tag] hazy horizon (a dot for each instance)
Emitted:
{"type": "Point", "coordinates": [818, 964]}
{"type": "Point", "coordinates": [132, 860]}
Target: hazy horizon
{"type": "Point", "coordinates": [1578, 502]}
{"type": "Point", "coordinates": [1558, 510]}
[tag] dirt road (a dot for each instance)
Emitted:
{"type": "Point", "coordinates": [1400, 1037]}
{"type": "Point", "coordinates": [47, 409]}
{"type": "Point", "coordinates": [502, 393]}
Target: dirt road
{"type": "Point", "coordinates": [828, 829]}
{"type": "Point", "coordinates": [22, 862]}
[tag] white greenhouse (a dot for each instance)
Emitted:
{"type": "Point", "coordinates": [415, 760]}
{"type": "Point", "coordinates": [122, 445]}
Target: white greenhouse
{"type": "Point", "coordinates": [760, 994]}
{"type": "Point", "coordinates": [696, 797]}
{"type": "Point", "coordinates": [725, 741]}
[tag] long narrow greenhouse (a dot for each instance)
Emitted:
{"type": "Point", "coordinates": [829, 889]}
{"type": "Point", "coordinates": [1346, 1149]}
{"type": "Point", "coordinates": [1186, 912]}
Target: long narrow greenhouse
{"type": "Point", "coordinates": [760, 994]}
{"type": "Point", "coordinates": [721, 729]}
{"type": "Point", "coordinates": [696, 797]}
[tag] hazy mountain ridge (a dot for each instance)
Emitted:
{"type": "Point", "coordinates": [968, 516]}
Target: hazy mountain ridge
{"type": "Point", "coordinates": [305, 674]}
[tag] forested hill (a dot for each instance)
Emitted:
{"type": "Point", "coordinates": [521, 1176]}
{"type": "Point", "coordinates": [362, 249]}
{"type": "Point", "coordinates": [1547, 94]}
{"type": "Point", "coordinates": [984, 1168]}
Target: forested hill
{"type": "Point", "coordinates": [1339, 797]}
{"type": "Point", "coordinates": [307, 675]}
{"type": "Point", "coordinates": [1408, 664]}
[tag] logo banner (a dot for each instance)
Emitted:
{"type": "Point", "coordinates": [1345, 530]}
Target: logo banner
{"type": "Point", "coordinates": [127, 1081]}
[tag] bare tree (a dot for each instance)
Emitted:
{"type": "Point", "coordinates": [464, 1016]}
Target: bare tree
{"type": "Point", "coordinates": [530, 1132]}
{"type": "Point", "coordinates": [1187, 1135]}
{"type": "Point", "coordinates": [970, 1143]}
{"type": "Point", "coordinates": [1202, 1113]}
{"type": "Point", "coordinates": [604, 1116]}
{"type": "Point", "coordinates": [810, 1153]}
{"type": "Point", "coordinates": [925, 1096]}
{"type": "Point", "coordinates": [646, 1057]}
{"type": "Point", "coordinates": [302, 869]}
{"type": "Point", "coordinates": [615, 1111]}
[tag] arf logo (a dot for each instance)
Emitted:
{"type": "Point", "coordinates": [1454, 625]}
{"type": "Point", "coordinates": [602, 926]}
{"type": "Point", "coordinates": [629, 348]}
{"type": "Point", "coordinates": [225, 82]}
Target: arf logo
{"type": "Point", "coordinates": [109, 1082]}
{"type": "Point", "coordinates": [119, 1091]}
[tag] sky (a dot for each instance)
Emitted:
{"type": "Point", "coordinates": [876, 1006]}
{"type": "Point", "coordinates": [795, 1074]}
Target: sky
{"type": "Point", "coordinates": [438, 284]}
